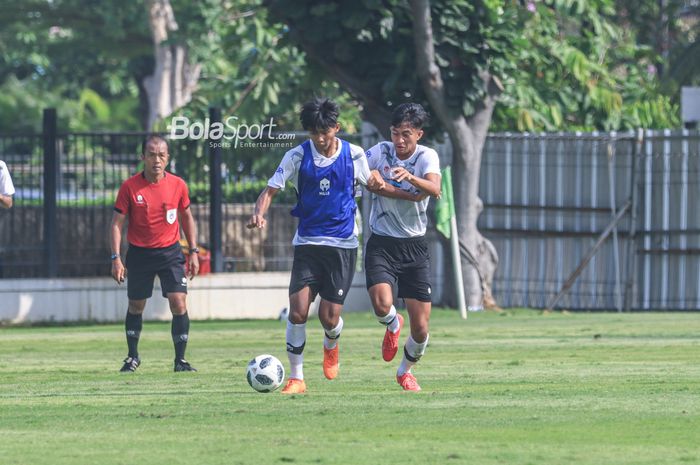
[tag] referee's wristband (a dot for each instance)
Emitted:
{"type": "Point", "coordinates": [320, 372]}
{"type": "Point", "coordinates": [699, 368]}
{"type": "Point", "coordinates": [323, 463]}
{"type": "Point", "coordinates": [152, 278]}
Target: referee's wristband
{"type": "Point", "coordinates": [114, 256]}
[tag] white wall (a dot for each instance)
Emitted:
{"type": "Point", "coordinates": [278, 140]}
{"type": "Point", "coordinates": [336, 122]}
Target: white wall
{"type": "Point", "coordinates": [220, 296]}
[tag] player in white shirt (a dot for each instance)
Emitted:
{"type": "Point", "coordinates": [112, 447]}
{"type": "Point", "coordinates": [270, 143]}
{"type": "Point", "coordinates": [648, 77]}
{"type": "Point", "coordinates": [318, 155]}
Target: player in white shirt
{"type": "Point", "coordinates": [7, 189]}
{"type": "Point", "coordinates": [324, 171]}
{"type": "Point", "coordinates": [397, 253]}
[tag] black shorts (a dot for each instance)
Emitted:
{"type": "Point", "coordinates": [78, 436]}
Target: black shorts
{"type": "Point", "coordinates": [399, 262]}
{"type": "Point", "coordinates": [328, 271]}
{"type": "Point", "coordinates": [143, 265]}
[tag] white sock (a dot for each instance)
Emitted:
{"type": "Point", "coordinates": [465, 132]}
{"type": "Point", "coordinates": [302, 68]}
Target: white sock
{"type": "Point", "coordinates": [415, 351]}
{"type": "Point", "coordinates": [296, 339]}
{"type": "Point", "coordinates": [330, 337]}
{"type": "Point", "coordinates": [390, 320]}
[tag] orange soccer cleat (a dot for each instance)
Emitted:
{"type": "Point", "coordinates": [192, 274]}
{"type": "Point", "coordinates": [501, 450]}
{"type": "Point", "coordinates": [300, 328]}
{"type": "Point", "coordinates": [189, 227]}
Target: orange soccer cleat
{"type": "Point", "coordinates": [294, 386]}
{"type": "Point", "coordinates": [408, 382]}
{"type": "Point", "coordinates": [390, 345]}
{"type": "Point", "coordinates": [330, 362]}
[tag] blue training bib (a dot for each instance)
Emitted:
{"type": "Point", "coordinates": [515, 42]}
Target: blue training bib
{"type": "Point", "coordinates": [325, 196]}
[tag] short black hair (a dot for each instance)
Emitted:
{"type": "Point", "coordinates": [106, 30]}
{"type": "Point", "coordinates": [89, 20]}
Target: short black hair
{"type": "Point", "coordinates": [411, 113]}
{"type": "Point", "coordinates": [319, 115]}
{"type": "Point", "coordinates": [149, 139]}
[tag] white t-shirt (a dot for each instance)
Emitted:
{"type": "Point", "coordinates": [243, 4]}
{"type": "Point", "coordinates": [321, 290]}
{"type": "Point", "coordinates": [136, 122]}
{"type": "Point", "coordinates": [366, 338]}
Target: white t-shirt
{"type": "Point", "coordinates": [288, 170]}
{"type": "Point", "coordinates": [6, 186]}
{"type": "Point", "coordinates": [395, 217]}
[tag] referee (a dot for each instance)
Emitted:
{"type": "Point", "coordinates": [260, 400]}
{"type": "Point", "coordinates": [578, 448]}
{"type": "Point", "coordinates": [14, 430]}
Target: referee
{"type": "Point", "coordinates": [155, 203]}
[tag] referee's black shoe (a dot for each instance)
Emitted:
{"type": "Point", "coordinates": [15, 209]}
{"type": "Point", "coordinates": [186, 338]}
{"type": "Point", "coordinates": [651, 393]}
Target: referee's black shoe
{"type": "Point", "coordinates": [130, 364]}
{"type": "Point", "coordinates": [182, 365]}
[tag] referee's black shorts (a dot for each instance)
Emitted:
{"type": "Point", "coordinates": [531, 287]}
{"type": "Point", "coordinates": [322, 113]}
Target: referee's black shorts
{"type": "Point", "coordinates": [328, 271]}
{"type": "Point", "coordinates": [144, 264]}
{"type": "Point", "coordinates": [402, 262]}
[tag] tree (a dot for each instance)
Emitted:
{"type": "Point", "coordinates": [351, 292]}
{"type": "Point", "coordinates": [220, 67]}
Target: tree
{"type": "Point", "coordinates": [467, 135]}
{"type": "Point", "coordinates": [79, 57]}
{"type": "Point", "coordinates": [174, 77]}
{"type": "Point", "coordinates": [542, 60]}
{"type": "Point", "coordinates": [138, 62]}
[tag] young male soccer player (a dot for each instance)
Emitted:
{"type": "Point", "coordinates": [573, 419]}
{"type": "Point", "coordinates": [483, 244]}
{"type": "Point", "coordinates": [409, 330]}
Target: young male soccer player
{"type": "Point", "coordinates": [7, 189]}
{"type": "Point", "coordinates": [324, 170]}
{"type": "Point", "coordinates": [153, 200]}
{"type": "Point", "coordinates": [397, 253]}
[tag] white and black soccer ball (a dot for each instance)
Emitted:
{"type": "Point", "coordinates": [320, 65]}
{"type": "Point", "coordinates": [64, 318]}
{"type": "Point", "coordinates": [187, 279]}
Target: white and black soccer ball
{"type": "Point", "coordinates": [265, 373]}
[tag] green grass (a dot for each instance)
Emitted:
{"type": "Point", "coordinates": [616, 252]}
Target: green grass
{"type": "Point", "coordinates": [517, 388]}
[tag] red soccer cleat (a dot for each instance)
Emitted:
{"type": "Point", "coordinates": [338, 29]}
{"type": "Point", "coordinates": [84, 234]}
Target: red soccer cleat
{"type": "Point", "coordinates": [408, 382]}
{"type": "Point", "coordinates": [330, 362]}
{"type": "Point", "coordinates": [294, 386]}
{"type": "Point", "coordinates": [390, 345]}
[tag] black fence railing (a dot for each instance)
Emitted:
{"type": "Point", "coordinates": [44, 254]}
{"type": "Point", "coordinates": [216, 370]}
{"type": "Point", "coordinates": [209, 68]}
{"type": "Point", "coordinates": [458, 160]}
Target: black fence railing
{"type": "Point", "coordinates": [66, 185]}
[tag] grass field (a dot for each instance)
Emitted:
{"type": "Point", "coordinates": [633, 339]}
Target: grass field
{"type": "Point", "coordinates": [518, 388]}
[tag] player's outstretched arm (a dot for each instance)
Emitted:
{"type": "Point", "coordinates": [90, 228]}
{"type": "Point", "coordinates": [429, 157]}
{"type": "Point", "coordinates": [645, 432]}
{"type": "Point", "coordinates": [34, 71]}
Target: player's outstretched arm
{"type": "Point", "coordinates": [261, 206]}
{"type": "Point", "coordinates": [115, 243]}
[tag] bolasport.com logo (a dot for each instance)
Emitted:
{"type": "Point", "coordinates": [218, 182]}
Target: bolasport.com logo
{"type": "Point", "coordinates": [230, 133]}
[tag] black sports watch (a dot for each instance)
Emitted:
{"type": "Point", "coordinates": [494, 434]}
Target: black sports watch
{"type": "Point", "coordinates": [194, 250]}
{"type": "Point", "coordinates": [114, 256]}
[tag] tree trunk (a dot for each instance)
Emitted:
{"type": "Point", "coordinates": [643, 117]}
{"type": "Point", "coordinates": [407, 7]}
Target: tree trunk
{"type": "Point", "coordinates": [173, 79]}
{"type": "Point", "coordinates": [478, 255]}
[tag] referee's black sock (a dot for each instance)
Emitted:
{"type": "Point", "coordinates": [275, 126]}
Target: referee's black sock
{"type": "Point", "coordinates": [180, 331]}
{"type": "Point", "coordinates": [133, 325]}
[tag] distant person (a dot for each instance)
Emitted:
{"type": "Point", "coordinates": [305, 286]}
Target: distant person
{"type": "Point", "coordinates": [7, 189]}
{"type": "Point", "coordinates": [397, 255]}
{"type": "Point", "coordinates": [156, 203]}
{"type": "Point", "coordinates": [324, 171]}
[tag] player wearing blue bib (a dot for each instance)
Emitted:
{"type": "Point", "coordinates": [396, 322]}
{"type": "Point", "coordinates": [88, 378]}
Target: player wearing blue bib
{"type": "Point", "coordinates": [324, 171]}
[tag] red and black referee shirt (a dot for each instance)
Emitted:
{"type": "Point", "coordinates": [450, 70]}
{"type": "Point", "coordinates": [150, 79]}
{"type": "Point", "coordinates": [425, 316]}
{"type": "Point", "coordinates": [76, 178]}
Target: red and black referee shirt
{"type": "Point", "coordinates": [152, 209]}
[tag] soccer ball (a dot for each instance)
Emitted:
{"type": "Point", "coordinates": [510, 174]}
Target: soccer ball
{"type": "Point", "coordinates": [265, 373]}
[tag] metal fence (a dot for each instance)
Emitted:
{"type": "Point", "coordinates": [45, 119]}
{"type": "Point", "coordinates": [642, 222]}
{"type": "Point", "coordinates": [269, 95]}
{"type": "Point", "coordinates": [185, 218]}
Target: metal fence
{"type": "Point", "coordinates": [66, 185]}
{"type": "Point", "coordinates": [547, 199]}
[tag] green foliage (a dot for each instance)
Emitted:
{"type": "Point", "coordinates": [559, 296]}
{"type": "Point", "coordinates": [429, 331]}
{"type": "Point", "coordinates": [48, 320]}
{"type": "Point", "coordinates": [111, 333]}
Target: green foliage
{"type": "Point", "coordinates": [577, 70]}
{"type": "Point", "coordinates": [369, 41]}
{"type": "Point", "coordinates": [248, 70]}
{"type": "Point", "coordinates": [80, 57]}
{"type": "Point", "coordinates": [565, 64]}
{"type": "Point", "coordinates": [670, 28]}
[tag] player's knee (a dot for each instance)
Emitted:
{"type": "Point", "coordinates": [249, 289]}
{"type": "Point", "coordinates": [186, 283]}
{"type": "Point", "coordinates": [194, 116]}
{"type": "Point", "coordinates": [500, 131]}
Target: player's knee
{"type": "Point", "coordinates": [420, 334]}
{"type": "Point", "coordinates": [178, 305]}
{"type": "Point", "coordinates": [329, 321]}
{"type": "Point", "coordinates": [296, 317]}
{"type": "Point", "coordinates": [381, 304]}
{"type": "Point", "coordinates": [136, 307]}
